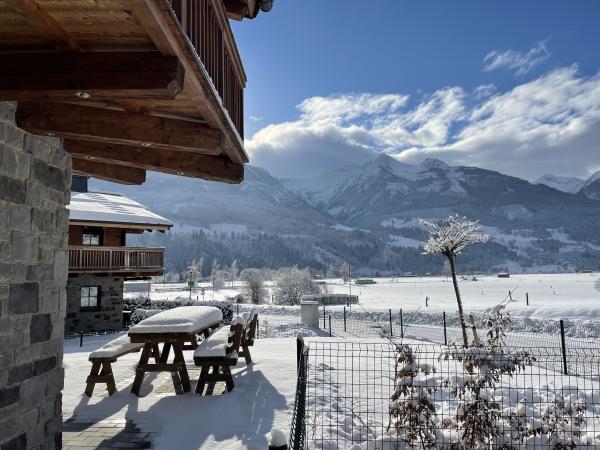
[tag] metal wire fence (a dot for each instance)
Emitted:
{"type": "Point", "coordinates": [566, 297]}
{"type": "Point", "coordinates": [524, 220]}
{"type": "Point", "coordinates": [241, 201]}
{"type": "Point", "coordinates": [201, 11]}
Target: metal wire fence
{"type": "Point", "coordinates": [93, 339]}
{"type": "Point", "coordinates": [379, 395]}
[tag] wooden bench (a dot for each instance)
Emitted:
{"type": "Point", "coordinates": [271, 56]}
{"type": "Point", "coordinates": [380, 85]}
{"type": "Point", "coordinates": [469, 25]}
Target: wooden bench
{"type": "Point", "coordinates": [249, 334]}
{"type": "Point", "coordinates": [220, 352]}
{"type": "Point", "coordinates": [103, 358]}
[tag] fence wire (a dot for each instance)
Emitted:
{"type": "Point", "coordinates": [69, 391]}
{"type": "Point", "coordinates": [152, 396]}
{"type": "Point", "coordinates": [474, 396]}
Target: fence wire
{"type": "Point", "coordinates": [365, 394]}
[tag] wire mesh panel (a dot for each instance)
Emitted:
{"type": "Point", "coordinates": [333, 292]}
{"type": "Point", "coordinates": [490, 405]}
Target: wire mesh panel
{"type": "Point", "coordinates": [379, 395]}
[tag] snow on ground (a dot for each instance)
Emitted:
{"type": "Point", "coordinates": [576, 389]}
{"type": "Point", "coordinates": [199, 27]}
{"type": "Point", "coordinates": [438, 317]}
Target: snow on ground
{"type": "Point", "coordinates": [263, 398]}
{"type": "Point", "coordinates": [551, 296]}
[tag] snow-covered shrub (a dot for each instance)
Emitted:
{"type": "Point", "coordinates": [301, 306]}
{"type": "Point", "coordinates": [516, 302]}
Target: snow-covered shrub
{"type": "Point", "coordinates": [291, 284]}
{"type": "Point", "coordinates": [479, 418]}
{"type": "Point", "coordinates": [254, 285]}
{"type": "Point", "coordinates": [412, 410]}
{"type": "Point", "coordinates": [133, 303]}
{"type": "Point", "coordinates": [141, 314]}
{"type": "Point", "coordinates": [562, 423]}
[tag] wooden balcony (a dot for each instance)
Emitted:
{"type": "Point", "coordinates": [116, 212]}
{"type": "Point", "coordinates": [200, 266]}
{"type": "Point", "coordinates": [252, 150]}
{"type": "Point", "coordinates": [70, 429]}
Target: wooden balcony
{"type": "Point", "coordinates": [204, 23]}
{"type": "Point", "coordinates": [128, 261]}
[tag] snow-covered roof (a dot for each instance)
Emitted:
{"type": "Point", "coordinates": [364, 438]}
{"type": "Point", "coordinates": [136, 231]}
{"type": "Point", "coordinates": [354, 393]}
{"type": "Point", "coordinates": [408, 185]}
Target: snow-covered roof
{"type": "Point", "coordinates": [107, 208]}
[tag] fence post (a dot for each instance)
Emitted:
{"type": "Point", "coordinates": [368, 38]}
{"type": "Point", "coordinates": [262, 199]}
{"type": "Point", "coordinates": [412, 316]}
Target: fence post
{"type": "Point", "coordinates": [563, 346]}
{"type": "Point", "coordinates": [401, 325]}
{"type": "Point", "coordinates": [237, 307]}
{"type": "Point", "coordinates": [344, 319]}
{"type": "Point", "coordinates": [324, 317]}
{"type": "Point", "coordinates": [330, 326]}
{"type": "Point", "coordinates": [257, 328]}
{"type": "Point", "coordinates": [299, 347]}
{"type": "Point", "coordinates": [426, 301]}
{"type": "Point", "coordinates": [527, 298]}
{"type": "Point", "coordinates": [445, 332]}
{"type": "Point", "coordinates": [81, 338]}
{"type": "Point", "coordinates": [391, 329]}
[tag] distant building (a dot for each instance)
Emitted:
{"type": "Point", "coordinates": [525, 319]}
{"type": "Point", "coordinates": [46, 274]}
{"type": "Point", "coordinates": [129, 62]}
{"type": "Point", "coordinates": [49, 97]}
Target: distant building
{"type": "Point", "coordinates": [99, 259]}
{"type": "Point", "coordinates": [503, 275]}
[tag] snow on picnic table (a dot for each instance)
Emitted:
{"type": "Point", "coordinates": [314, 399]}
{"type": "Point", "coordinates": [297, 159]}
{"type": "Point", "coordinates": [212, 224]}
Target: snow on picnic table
{"type": "Point", "coordinates": [184, 319]}
{"type": "Point", "coordinates": [263, 398]}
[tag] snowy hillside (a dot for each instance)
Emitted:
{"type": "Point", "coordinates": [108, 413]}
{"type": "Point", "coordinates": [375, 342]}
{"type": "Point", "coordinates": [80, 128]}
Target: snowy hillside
{"type": "Point", "coordinates": [591, 187]}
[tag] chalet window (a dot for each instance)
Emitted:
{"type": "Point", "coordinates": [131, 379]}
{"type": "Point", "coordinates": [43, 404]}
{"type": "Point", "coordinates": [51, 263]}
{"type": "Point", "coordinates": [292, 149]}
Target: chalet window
{"type": "Point", "coordinates": [92, 236]}
{"type": "Point", "coordinates": [90, 297]}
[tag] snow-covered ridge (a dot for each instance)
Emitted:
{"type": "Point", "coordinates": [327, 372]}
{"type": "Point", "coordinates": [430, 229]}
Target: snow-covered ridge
{"type": "Point", "coordinates": [570, 185]}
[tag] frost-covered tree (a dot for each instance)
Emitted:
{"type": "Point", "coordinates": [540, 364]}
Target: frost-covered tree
{"type": "Point", "coordinates": [412, 409]}
{"type": "Point", "coordinates": [254, 285]}
{"type": "Point", "coordinates": [291, 284]}
{"type": "Point", "coordinates": [562, 423]}
{"type": "Point", "coordinates": [330, 272]}
{"type": "Point", "coordinates": [216, 276]}
{"type": "Point", "coordinates": [345, 272]}
{"type": "Point", "coordinates": [450, 238]}
{"type": "Point", "coordinates": [233, 272]}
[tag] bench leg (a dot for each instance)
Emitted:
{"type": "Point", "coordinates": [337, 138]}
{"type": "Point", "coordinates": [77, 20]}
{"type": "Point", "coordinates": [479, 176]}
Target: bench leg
{"type": "Point", "coordinates": [91, 379]}
{"type": "Point", "coordinates": [110, 383]}
{"type": "Point", "coordinates": [156, 353]}
{"type": "Point", "coordinates": [246, 353]}
{"type": "Point", "coordinates": [228, 378]}
{"type": "Point", "coordinates": [202, 379]}
{"type": "Point", "coordinates": [139, 371]}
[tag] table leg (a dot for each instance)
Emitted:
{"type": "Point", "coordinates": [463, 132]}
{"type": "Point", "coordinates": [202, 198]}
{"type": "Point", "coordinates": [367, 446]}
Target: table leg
{"type": "Point", "coordinates": [165, 352]}
{"type": "Point", "coordinates": [180, 361]}
{"type": "Point", "coordinates": [140, 371]}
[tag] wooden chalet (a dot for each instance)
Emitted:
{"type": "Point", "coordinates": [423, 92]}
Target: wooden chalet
{"type": "Point", "coordinates": [130, 85]}
{"type": "Point", "coordinates": [100, 260]}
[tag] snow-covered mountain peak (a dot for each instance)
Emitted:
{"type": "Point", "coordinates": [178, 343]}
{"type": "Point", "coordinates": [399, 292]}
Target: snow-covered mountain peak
{"type": "Point", "coordinates": [433, 163]}
{"type": "Point", "coordinates": [570, 185]}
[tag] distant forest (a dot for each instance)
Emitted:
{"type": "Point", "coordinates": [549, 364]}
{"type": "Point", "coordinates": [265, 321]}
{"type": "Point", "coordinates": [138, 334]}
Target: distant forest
{"type": "Point", "coordinates": [365, 252]}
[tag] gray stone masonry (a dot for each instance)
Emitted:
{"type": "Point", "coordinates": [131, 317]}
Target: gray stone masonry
{"type": "Point", "coordinates": [35, 174]}
{"type": "Point", "coordinates": [108, 316]}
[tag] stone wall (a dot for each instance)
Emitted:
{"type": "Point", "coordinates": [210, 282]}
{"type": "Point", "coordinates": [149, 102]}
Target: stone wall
{"type": "Point", "coordinates": [35, 176]}
{"type": "Point", "coordinates": [109, 315]}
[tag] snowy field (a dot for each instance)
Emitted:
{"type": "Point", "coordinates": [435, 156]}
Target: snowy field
{"type": "Point", "coordinates": [263, 398]}
{"type": "Point", "coordinates": [551, 296]}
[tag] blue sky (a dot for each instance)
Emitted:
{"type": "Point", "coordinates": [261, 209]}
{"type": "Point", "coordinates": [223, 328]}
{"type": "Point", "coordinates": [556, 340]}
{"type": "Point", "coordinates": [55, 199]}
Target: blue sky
{"type": "Point", "coordinates": [506, 85]}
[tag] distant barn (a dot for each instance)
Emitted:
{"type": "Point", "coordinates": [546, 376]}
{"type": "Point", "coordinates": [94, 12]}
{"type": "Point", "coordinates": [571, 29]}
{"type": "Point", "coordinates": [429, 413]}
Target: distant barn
{"type": "Point", "coordinates": [364, 281]}
{"type": "Point", "coordinates": [503, 275]}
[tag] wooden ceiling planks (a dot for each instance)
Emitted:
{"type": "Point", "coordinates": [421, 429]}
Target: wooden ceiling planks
{"type": "Point", "coordinates": [183, 121]}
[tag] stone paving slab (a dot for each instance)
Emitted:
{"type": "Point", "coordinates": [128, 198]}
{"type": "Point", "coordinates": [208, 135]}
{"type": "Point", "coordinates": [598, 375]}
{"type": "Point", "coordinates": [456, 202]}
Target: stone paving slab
{"type": "Point", "coordinates": [105, 434]}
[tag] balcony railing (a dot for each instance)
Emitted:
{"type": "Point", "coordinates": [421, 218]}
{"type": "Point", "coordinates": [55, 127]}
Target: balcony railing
{"type": "Point", "coordinates": [205, 24]}
{"type": "Point", "coordinates": [115, 259]}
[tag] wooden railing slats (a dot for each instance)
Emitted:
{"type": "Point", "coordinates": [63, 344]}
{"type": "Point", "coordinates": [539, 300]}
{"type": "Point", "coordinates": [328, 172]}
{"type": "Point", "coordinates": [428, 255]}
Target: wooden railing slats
{"type": "Point", "coordinates": [115, 258]}
{"type": "Point", "coordinates": [214, 48]}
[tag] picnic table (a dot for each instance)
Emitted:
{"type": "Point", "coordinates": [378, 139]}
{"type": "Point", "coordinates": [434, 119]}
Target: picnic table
{"type": "Point", "coordinates": [172, 328]}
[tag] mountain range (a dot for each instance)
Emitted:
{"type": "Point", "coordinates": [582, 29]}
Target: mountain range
{"type": "Point", "coordinates": [368, 215]}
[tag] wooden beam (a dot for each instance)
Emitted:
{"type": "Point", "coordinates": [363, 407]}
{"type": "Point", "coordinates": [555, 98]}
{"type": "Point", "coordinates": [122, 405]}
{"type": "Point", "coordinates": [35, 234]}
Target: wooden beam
{"type": "Point", "coordinates": [214, 168]}
{"type": "Point", "coordinates": [97, 76]}
{"type": "Point", "coordinates": [71, 121]}
{"type": "Point", "coordinates": [109, 172]}
{"type": "Point", "coordinates": [236, 9]}
{"type": "Point", "coordinates": [44, 24]}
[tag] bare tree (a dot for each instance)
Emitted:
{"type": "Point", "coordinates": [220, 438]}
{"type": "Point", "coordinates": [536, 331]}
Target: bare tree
{"type": "Point", "coordinates": [345, 272]}
{"type": "Point", "coordinates": [254, 285]}
{"type": "Point", "coordinates": [233, 272]}
{"type": "Point", "coordinates": [450, 238]}
{"type": "Point", "coordinates": [292, 283]}
{"type": "Point", "coordinates": [216, 276]}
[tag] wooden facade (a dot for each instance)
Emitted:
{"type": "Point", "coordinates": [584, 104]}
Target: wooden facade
{"type": "Point", "coordinates": [130, 84]}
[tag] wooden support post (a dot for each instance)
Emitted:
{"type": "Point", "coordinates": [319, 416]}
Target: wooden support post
{"type": "Point", "coordinates": [391, 329]}
{"type": "Point", "coordinates": [401, 324]}
{"type": "Point", "coordinates": [445, 331]}
{"type": "Point", "coordinates": [344, 319]}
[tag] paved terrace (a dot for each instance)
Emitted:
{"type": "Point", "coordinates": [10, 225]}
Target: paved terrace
{"type": "Point", "coordinates": [263, 398]}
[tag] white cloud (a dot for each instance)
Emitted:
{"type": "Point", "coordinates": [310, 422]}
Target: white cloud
{"type": "Point", "coordinates": [520, 62]}
{"type": "Point", "coordinates": [548, 125]}
{"type": "Point", "coordinates": [255, 119]}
